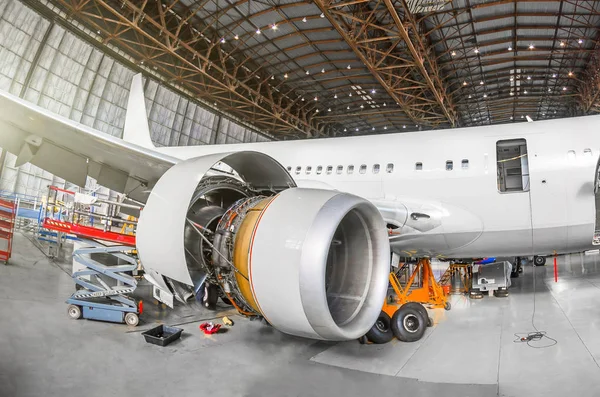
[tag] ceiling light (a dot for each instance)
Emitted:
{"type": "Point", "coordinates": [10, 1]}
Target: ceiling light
{"type": "Point", "coordinates": [302, 99]}
{"type": "Point", "coordinates": [476, 50]}
{"type": "Point", "coordinates": [511, 117]}
{"type": "Point", "coordinates": [322, 15]}
{"type": "Point", "coordinates": [384, 104]}
{"type": "Point", "coordinates": [555, 112]}
{"type": "Point", "coordinates": [257, 31]}
{"type": "Point", "coordinates": [469, 96]}
{"type": "Point", "coordinates": [580, 41]}
{"type": "Point", "coordinates": [348, 67]}
{"type": "Point", "coordinates": [98, 32]}
{"type": "Point", "coordinates": [317, 111]}
{"type": "Point", "coordinates": [464, 83]}
{"type": "Point", "coordinates": [323, 70]}
{"type": "Point", "coordinates": [531, 47]}
{"type": "Point", "coordinates": [554, 75]}
{"type": "Point", "coordinates": [362, 106]}
{"type": "Point", "coordinates": [329, 110]}
{"type": "Point", "coordinates": [570, 74]}
{"type": "Point", "coordinates": [549, 89]}
{"type": "Point", "coordinates": [525, 92]}
{"type": "Point", "coordinates": [345, 129]}
{"type": "Point", "coordinates": [357, 130]}
{"type": "Point", "coordinates": [485, 95]}
{"type": "Point", "coordinates": [274, 27]}
{"type": "Point", "coordinates": [348, 107]}
{"type": "Point", "coordinates": [564, 88]}
{"type": "Point", "coordinates": [285, 76]}
{"type": "Point", "coordinates": [373, 129]}
{"type": "Point", "coordinates": [509, 48]}
{"type": "Point", "coordinates": [335, 96]}
{"type": "Point", "coordinates": [562, 44]}
{"type": "Point", "coordinates": [512, 78]}
{"type": "Point", "coordinates": [307, 72]}
{"type": "Point", "coordinates": [222, 40]}
{"type": "Point", "coordinates": [512, 93]}
{"type": "Point", "coordinates": [236, 37]}
{"type": "Point", "coordinates": [316, 98]}
{"type": "Point", "coordinates": [373, 91]}
{"type": "Point", "coordinates": [481, 82]}
{"type": "Point", "coordinates": [403, 126]}
{"type": "Point", "coordinates": [528, 77]}
{"type": "Point", "coordinates": [350, 94]}
{"type": "Point", "coordinates": [543, 114]}
{"type": "Point", "coordinates": [385, 127]}
{"type": "Point", "coordinates": [522, 116]}
{"type": "Point", "coordinates": [304, 19]}
{"type": "Point", "coordinates": [272, 77]}
{"type": "Point", "coordinates": [453, 53]}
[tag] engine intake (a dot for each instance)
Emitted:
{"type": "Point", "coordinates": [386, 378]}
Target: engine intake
{"type": "Point", "coordinates": [312, 262]}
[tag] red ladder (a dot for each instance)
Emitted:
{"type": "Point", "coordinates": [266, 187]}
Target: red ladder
{"type": "Point", "coordinates": [8, 213]}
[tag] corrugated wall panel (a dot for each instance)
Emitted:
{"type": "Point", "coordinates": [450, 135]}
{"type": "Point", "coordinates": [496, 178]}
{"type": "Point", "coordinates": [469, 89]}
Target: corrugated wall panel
{"type": "Point", "coordinates": [53, 68]}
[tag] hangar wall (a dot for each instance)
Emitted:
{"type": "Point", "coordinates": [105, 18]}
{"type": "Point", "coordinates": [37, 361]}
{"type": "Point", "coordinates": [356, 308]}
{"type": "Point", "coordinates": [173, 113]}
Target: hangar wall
{"type": "Point", "coordinates": [45, 64]}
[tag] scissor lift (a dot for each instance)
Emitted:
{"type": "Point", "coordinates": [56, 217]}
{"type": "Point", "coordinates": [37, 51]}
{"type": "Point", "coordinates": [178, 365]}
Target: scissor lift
{"type": "Point", "coordinates": [97, 300]}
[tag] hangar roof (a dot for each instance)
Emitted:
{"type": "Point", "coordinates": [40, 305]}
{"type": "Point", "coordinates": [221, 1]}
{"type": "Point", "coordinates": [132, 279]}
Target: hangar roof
{"type": "Point", "coordinates": [331, 68]}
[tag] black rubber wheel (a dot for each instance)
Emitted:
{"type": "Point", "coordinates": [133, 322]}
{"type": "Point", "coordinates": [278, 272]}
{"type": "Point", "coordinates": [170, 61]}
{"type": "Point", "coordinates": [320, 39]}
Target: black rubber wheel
{"type": "Point", "coordinates": [539, 260]}
{"type": "Point", "coordinates": [210, 297]}
{"type": "Point", "coordinates": [429, 321]}
{"type": "Point", "coordinates": [381, 331]}
{"type": "Point", "coordinates": [420, 308]}
{"type": "Point", "coordinates": [408, 324]}
{"type": "Point", "coordinates": [447, 306]}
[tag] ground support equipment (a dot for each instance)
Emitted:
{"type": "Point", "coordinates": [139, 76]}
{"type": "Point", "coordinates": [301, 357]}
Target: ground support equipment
{"type": "Point", "coordinates": [97, 299]}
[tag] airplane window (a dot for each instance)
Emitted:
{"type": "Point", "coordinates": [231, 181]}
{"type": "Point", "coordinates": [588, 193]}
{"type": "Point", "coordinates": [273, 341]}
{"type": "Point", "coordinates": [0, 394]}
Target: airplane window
{"type": "Point", "coordinates": [449, 165]}
{"type": "Point", "coordinates": [308, 169]}
{"type": "Point", "coordinates": [571, 154]}
{"type": "Point", "coordinates": [319, 170]}
{"type": "Point", "coordinates": [363, 169]}
{"type": "Point", "coordinates": [376, 168]}
{"type": "Point", "coordinates": [418, 166]}
{"type": "Point", "coordinates": [329, 169]}
{"type": "Point", "coordinates": [298, 169]}
{"type": "Point", "coordinates": [512, 166]}
{"type": "Point", "coordinates": [587, 152]}
{"type": "Point", "coordinates": [350, 169]}
{"type": "Point", "coordinates": [289, 169]}
{"type": "Point", "coordinates": [389, 168]}
{"type": "Point", "coordinates": [339, 170]}
{"type": "Point", "coordinates": [465, 164]}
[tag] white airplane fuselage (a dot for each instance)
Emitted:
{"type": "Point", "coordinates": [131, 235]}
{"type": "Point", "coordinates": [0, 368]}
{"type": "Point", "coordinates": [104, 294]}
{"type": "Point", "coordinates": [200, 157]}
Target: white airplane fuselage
{"type": "Point", "coordinates": [459, 212]}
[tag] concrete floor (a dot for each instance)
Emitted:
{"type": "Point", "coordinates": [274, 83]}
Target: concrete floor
{"type": "Point", "coordinates": [469, 352]}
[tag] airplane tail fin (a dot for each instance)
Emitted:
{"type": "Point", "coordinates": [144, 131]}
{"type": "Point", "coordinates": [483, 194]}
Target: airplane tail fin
{"type": "Point", "coordinates": [136, 128]}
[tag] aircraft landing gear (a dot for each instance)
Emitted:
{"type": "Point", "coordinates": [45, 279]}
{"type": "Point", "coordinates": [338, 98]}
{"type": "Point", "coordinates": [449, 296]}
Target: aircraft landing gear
{"type": "Point", "coordinates": [517, 268]}
{"type": "Point", "coordinates": [539, 260]}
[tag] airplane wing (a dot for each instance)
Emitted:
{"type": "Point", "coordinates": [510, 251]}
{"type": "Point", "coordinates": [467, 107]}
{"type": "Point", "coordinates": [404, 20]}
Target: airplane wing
{"type": "Point", "coordinates": [73, 151]}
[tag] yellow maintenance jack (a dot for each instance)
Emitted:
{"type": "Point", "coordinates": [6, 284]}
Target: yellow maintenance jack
{"type": "Point", "coordinates": [404, 316]}
{"type": "Point", "coordinates": [430, 293]}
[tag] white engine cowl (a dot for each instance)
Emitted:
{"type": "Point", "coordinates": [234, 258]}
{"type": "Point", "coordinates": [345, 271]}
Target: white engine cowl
{"type": "Point", "coordinates": [313, 262]}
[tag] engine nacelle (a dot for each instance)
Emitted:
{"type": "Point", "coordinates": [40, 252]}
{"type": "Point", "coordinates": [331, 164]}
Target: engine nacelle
{"type": "Point", "coordinates": [312, 262]}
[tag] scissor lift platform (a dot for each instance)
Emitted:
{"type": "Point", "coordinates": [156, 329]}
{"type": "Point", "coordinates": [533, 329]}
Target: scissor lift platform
{"type": "Point", "coordinates": [97, 300]}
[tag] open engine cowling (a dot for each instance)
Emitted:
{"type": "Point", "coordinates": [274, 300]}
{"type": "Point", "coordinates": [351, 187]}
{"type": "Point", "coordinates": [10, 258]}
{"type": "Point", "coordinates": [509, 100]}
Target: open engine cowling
{"type": "Point", "coordinates": [312, 262]}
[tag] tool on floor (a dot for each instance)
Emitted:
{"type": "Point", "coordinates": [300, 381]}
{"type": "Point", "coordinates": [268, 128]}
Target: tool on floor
{"type": "Point", "coordinates": [227, 321]}
{"type": "Point", "coordinates": [210, 328]}
{"type": "Point", "coordinates": [105, 289]}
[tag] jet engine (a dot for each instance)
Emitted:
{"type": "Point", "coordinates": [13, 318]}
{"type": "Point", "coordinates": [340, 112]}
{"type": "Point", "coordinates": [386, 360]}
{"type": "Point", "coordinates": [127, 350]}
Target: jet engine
{"type": "Point", "coordinates": [311, 262]}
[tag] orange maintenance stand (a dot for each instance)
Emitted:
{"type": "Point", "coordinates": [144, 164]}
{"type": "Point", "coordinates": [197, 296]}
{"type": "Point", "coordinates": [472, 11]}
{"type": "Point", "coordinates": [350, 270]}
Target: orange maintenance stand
{"type": "Point", "coordinates": [430, 293]}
